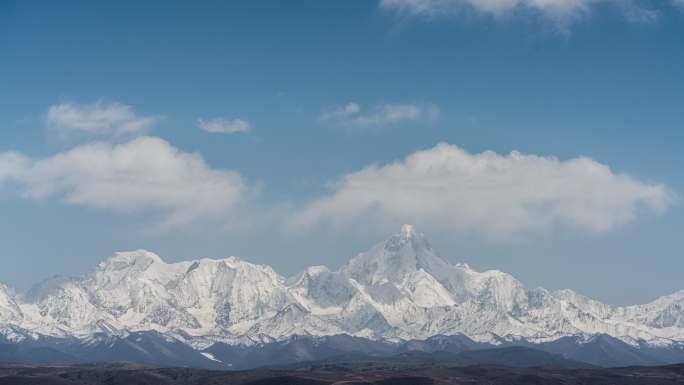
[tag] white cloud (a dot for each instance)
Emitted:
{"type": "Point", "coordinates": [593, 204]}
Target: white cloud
{"type": "Point", "coordinates": [341, 112]}
{"type": "Point", "coordinates": [143, 175]}
{"type": "Point", "coordinates": [11, 165]}
{"type": "Point", "coordinates": [494, 195]}
{"type": "Point", "coordinates": [560, 11]}
{"type": "Point", "coordinates": [382, 115]}
{"type": "Point", "coordinates": [223, 126]}
{"type": "Point", "coordinates": [678, 3]}
{"type": "Point", "coordinates": [102, 119]}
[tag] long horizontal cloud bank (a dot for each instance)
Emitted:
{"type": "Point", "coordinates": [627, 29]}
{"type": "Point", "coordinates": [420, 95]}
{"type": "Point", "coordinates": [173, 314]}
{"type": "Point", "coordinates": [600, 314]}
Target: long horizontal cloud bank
{"type": "Point", "coordinates": [444, 188]}
{"type": "Point", "coordinates": [145, 174]}
{"type": "Point", "coordinates": [495, 195]}
{"type": "Point", "coordinates": [560, 11]}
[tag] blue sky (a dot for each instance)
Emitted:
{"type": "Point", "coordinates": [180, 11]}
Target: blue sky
{"type": "Point", "coordinates": [97, 95]}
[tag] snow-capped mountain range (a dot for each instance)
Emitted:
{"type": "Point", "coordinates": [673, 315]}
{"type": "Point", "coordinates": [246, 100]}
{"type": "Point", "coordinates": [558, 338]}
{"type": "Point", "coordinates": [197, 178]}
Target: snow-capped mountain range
{"type": "Point", "coordinates": [400, 289]}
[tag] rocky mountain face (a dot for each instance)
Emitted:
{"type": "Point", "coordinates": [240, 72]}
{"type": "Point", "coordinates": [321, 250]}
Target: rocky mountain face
{"type": "Point", "coordinates": [400, 290]}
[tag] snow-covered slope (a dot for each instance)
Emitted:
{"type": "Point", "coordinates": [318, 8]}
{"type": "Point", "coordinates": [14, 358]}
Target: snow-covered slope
{"type": "Point", "coordinates": [399, 289]}
{"type": "Point", "coordinates": [9, 310]}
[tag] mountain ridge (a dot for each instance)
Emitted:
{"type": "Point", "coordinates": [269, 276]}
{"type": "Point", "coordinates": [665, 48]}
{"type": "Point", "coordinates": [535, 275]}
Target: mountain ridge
{"type": "Point", "coordinates": [398, 290]}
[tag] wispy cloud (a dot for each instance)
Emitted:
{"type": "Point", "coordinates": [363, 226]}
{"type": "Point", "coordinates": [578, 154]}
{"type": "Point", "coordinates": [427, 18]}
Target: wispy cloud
{"type": "Point", "coordinates": [351, 115]}
{"type": "Point", "coordinates": [449, 189]}
{"type": "Point", "coordinates": [224, 126]}
{"type": "Point", "coordinates": [350, 109]}
{"type": "Point", "coordinates": [12, 165]}
{"type": "Point", "coordinates": [99, 119]}
{"type": "Point", "coordinates": [560, 12]}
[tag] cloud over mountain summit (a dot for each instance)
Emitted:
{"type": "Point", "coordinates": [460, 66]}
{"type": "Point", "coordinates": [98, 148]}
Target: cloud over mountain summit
{"type": "Point", "coordinates": [449, 188]}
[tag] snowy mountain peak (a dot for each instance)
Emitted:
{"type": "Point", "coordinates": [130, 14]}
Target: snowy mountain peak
{"type": "Point", "coordinates": [4, 289]}
{"type": "Point", "coordinates": [392, 260]}
{"type": "Point", "coordinates": [316, 270]}
{"type": "Point", "coordinates": [137, 260]}
{"type": "Point", "coordinates": [410, 241]}
{"type": "Point", "coordinates": [408, 230]}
